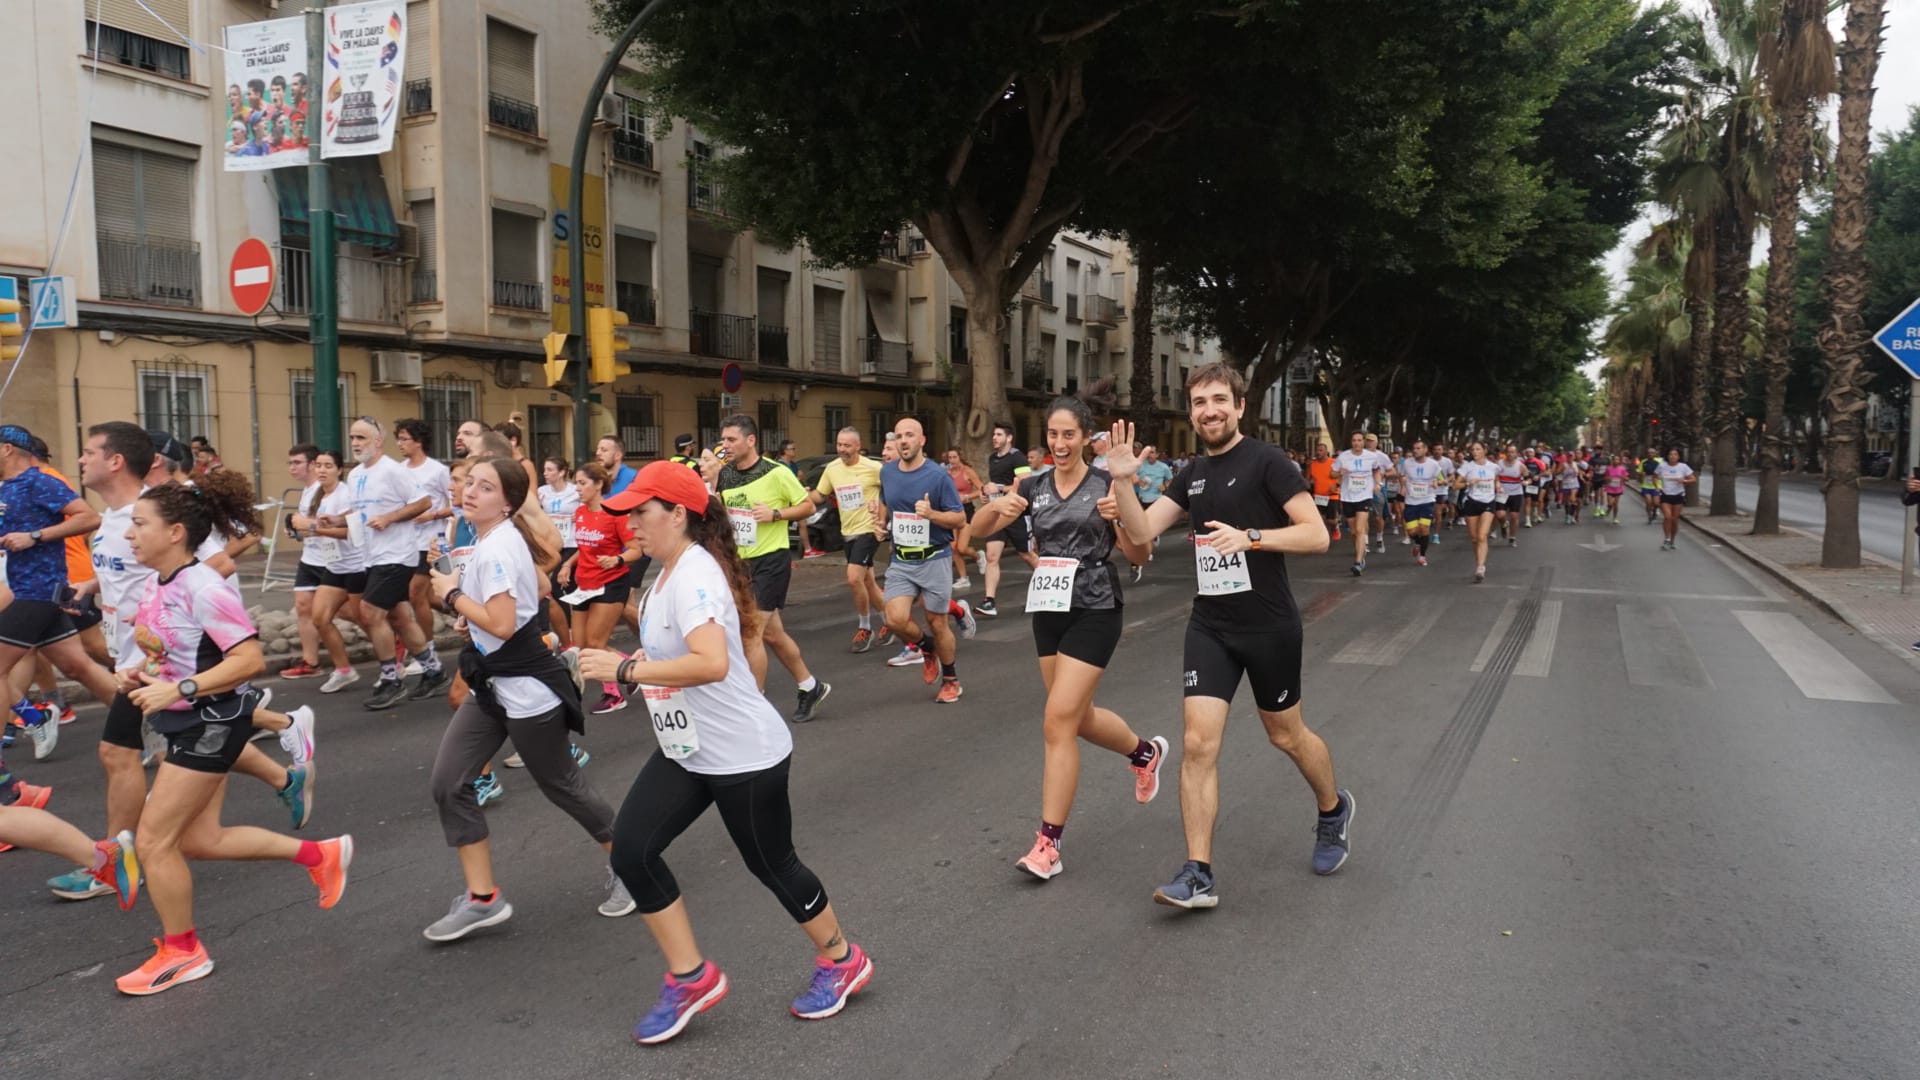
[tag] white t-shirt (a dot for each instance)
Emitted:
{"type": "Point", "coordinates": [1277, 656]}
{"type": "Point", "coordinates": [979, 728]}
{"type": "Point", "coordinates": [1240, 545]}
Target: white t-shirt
{"type": "Point", "coordinates": [1418, 478]}
{"type": "Point", "coordinates": [339, 503]}
{"type": "Point", "coordinates": [436, 482]}
{"type": "Point", "coordinates": [1673, 477]}
{"type": "Point", "coordinates": [502, 563]}
{"type": "Point", "coordinates": [1480, 477]}
{"type": "Point", "coordinates": [739, 730]}
{"type": "Point", "coordinates": [1357, 483]}
{"type": "Point", "coordinates": [122, 580]}
{"type": "Point", "coordinates": [560, 504]}
{"type": "Point", "coordinates": [311, 554]}
{"type": "Point", "coordinates": [382, 486]}
{"type": "Point", "coordinates": [1513, 478]}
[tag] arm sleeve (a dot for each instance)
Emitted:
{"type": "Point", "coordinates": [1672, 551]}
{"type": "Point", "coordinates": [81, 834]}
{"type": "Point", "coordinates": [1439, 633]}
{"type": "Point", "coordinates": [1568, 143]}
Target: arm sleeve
{"type": "Point", "coordinates": [223, 615]}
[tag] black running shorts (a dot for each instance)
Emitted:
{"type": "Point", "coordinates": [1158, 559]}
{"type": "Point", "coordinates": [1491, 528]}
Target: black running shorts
{"type": "Point", "coordinates": [1088, 635]}
{"type": "Point", "coordinates": [1014, 535]}
{"type": "Point", "coordinates": [30, 624]}
{"type": "Point", "coordinates": [614, 592]}
{"type": "Point", "coordinates": [123, 724]}
{"type": "Point", "coordinates": [388, 585]}
{"type": "Point", "coordinates": [1269, 659]}
{"type": "Point", "coordinates": [862, 549]}
{"type": "Point", "coordinates": [1348, 509]}
{"type": "Point", "coordinates": [1517, 504]}
{"type": "Point", "coordinates": [218, 733]}
{"type": "Point", "coordinates": [1474, 508]}
{"type": "Point", "coordinates": [352, 584]}
{"type": "Point", "coordinates": [772, 573]}
{"type": "Point", "coordinates": [308, 577]}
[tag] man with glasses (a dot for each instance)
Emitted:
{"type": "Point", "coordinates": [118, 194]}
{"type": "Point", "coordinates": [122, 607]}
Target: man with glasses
{"type": "Point", "coordinates": [386, 498]}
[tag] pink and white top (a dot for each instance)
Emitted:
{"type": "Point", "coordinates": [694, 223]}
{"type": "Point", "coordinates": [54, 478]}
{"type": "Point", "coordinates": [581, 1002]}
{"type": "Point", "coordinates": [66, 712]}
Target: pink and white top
{"type": "Point", "coordinates": [1616, 478]}
{"type": "Point", "coordinates": [186, 624]}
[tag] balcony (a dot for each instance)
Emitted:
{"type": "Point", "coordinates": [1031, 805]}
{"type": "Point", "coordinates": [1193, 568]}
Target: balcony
{"type": "Point", "coordinates": [368, 290]}
{"type": "Point", "coordinates": [773, 346]}
{"type": "Point", "coordinates": [891, 249]}
{"type": "Point", "coordinates": [1038, 288]}
{"type": "Point", "coordinates": [419, 96]}
{"type": "Point", "coordinates": [524, 295]}
{"type": "Point", "coordinates": [426, 287]}
{"type": "Point", "coordinates": [891, 358]}
{"type": "Point", "coordinates": [1073, 307]}
{"type": "Point", "coordinates": [729, 337]}
{"type": "Point", "coordinates": [1103, 310]}
{"type": "Point", "coordinates": [704, 193]}
{"type": "Point", "coordinates": [514, 115]}
{"type": "Point", "coordinates": [632, 148]}
{"type": "Point", "coordinates": [636, 301]}
{"type": "Point", "coordinates": [149, 270]}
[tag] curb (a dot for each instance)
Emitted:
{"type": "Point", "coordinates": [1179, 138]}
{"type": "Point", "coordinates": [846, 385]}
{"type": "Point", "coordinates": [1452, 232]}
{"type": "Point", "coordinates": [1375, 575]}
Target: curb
{"type": "Point", "coordinates": [1836, 608]}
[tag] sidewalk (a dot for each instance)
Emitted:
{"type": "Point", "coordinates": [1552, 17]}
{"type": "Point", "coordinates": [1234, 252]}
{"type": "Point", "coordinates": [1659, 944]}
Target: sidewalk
{"type": "Point", "coordinates": [1867, 599]}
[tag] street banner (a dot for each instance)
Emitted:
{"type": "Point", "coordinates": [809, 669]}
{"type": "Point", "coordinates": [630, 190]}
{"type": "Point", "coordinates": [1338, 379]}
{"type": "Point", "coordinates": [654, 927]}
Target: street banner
{"type": "Point", "coordinates": [267, 95]}
{"type": "Point", "coordinates": [366, 49]}
{"type": "Point", "coordinates": [592, 232]}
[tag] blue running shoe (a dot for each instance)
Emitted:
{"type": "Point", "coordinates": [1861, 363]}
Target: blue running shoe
{"type": "Point", "coordinates": [487, 788]}
{"type": "Point", "coordinates": [296, 796]}
{"type": "Point", "coordinates": [78, 884]}
{"type": "Point", "coordinates": [1330, 837]}
{"type": "Point", "coordinates": [1191, 888]}
{"type": "Point", "coordinates": [833, 984]}
{"type": "Point", "coordinates": [579, 754]}
{"type": "Point", "coordinates": [680, 1002]}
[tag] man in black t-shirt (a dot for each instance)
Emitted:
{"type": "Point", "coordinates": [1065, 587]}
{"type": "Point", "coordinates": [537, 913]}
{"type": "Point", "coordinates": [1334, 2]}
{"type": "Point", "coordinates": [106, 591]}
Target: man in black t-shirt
{"type": "Point", "coordinates": [1003, 469]}
{"type": "Point", "coordinates": [1249, 505]}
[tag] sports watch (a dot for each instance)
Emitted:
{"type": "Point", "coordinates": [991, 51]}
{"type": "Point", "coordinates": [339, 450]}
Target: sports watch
{"type": "Point", "coordinates": [188, 688]}
{"type": "Point", "coordinates": [1253, 537]}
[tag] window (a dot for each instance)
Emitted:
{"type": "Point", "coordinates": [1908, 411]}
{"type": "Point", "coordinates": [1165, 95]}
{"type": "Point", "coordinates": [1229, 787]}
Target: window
{"type": "Point", "coordinates": [957, 335]}
{"type": "Point", "coordinates": [513, 92]}
{"type": "Point", "coordinates": [706, 420]}
{"type": "Point", "coordinates": [445, 404]}
{"type": "Point", "coordinates": [177, 397]}
{"type": "Point", "coordinates": [638, 418]}
{"type": "Point", "coordinates": [633, 279]}
{"type": "Point", "coordinates": [426, 268]}
{"type": "Point", "coordinates": [771, 433]}
{"type": "Point", "coordinates": [703, 189]}
{"type": "Point", "coordinates": [143, 218]}
{"type": "Point", "coordinates": [123, 35]}
{"type": "Point", "coordinates": [419, 62]}
{"type": "Point", "coordinates": [631, 146]}
{"type": "Point", "coordinates": [301, 391]}
{"type": "Point", "coordinates": [879, 424]}
{"type": "Point", "coordinates": [838, 416]}
{"type": "Point", "coordinates": [516, 261]}
{"type": "Point", "coordinates": [827, 334]}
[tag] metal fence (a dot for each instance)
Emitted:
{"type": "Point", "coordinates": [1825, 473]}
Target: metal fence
{"type": "Point", "coordinates": [773, 346]}
{"type": "Point", "coordinates": [527, 295]}
{"type": "Point", "coordinates": [728, 336]}
{"type": "Point", "coordinates": [370, 290]}
{"type": "Point", "coordinates": [419, 96]}
{"type": "Point", "coordinates": [635, 300]}
{"type": "Point", "coordinates": [518, 115]}
{"type": "Point", "coordinates": [149, 270]}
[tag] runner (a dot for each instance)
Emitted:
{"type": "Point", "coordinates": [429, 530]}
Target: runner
{"type": "Point", "coordinates": [612, 455]}
{"type": "Point", "coordinates": [1477, 481]}
{"type": "Point", "coordinates": [852, 481]}
{"type": "Point", "coordinates": [559, 498]}
{"type": "Point", "coordinates": [1075, 602]}
{"type": "Point", "coordinates": [720, 743]}
{"type": "Point", "coordinates": [385, 498]}
{"type": "Point", "coordinates": [761, 498]}
{"type": "Point", "coordinates": [1674, 475]}
{"type": "Point", "coordinates": [923, 510]}
{"type": "Point", "coordinates": [340, 566]}
{"type": "Point", "coordinates": [1443, 493]}
{"type": "Point", "coordinates": [1422, 476]}
{"type": "Point", "coordinates": [1255, 507]}
{"type": "Point", "coordinates": [1357, 472]}
{"type": "Point", "coordinates": [1513, 503]}
{"type": "Point", "coordinates": [1003, 467]}
{"type": "Point", "coordinates": [967, 482]}
{"type": "Point", "coordinates": [1648, 469]}
{"type": "Point", "coordinates": [1571, 482]}
{"type": "Point", "coordinates": [517, 687]}
{"type": "Point", "coordinates": [1325, 492]}
{"type": "Point", "coordinates": [413, 437]}
{"type": "Point", "coordinates": [1379, 520]}
{"type": "Point", "coordinates": [597, 572]}
{"type": "Point", "coordinates": [306, 574]}
{"type": "Point", "coordinates": [189, 677]}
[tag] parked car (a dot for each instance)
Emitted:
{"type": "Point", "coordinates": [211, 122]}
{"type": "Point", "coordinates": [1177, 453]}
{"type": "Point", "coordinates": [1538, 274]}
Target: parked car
{"type": "Point", "coordinates": [823, 528]}
{"type": "Point", "coordinates": [1875, 463]}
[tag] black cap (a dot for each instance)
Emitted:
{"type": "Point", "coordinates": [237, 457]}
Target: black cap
{"type": "Point", "coordinates": [681, 442]}
{"type": "Point", "coordinates": [40, 449]}
{"type": "Point", "coordinates": [165, 445]}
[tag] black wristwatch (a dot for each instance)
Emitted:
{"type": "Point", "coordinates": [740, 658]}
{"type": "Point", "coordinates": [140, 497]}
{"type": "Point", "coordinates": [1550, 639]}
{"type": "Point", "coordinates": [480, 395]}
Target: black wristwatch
{"type": "Point", "coordinates": [1253, 537]}
{"type": "Point", "coordinates": [188, 688]}
{"type": "Point", "coordinates": [35, 534]}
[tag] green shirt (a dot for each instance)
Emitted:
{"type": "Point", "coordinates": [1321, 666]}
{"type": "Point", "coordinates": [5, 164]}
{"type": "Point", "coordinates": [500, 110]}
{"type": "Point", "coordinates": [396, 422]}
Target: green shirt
{"type": "Point", "coordinates": [767, 482]}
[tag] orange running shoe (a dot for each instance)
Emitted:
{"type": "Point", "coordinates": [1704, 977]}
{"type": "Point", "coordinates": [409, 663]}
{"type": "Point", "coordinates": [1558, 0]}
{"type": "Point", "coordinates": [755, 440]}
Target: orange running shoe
{"type": "Point", "coordinates": [929, 667]}
{"type": "Point", "coordinates": [949, 691]}
{"type": "Point", "coordinates": [331, 875]}
{"type": "Point", "coordinates": [32, 796]}
{"type": "Point", "coordinates": [1044, 860]}
{"type": "Point", "coordinates": [168, 969]}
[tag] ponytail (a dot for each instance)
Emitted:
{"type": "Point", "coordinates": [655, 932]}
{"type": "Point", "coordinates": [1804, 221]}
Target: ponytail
{"type": "Point", "coordinates": [230, 499]}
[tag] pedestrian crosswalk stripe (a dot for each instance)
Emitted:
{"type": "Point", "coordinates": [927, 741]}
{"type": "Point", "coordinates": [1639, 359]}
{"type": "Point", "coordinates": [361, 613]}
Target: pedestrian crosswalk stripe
{"type": "Point", "coordinates": [1817, 668]}
{"type": "Point", "coordinates": [1388, 650]}
{"type": "Point", "coordinates": [1537, 658]}
{"type": "Point", "coordinates": [1656, 649]}
{"type": "Point", "coordinates": [1495, 636]}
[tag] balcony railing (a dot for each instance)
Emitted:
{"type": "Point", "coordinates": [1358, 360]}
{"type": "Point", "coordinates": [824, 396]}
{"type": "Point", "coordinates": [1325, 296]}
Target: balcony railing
{"type": "Point", "coordinates": [632, 148]}
{"type": "Point", "coordinates": [426, 286]}
{"type": "Point", "coordinates": [149, 270]}
{"type": "Point", "coordinates": [773, 346]}
{"type": "Point", "coordinates": [635, 300]}
{"type": "Point", "coordinates": [878, 357]}
{"type": "Point", "coordinates": [369, 290]}
{"type": "Point", "coordinates": [517, 115]}
{"type": "Point", "coordinates": [419, 96]}
{"type": "Point", "coordinates": [1073, 307]}
{"type": "Point", "coordinates": [1104, 310]}
{"type": "Point", "coordinates": [729, 337]}
{"type": "Point", "coordinates": [892, 248]}
{"type": "Point", "coordinates": [705, 193]}
{"type": "Point", "coordinates": [525, 295]}
{"type": "Point", "coordinates": [1033, 376]}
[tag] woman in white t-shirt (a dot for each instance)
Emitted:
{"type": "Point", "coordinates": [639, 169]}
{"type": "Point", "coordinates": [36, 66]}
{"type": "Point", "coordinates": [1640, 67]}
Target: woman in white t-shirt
{"type": "Point", "coordinates": [342, 566]}
{"type": "Point", "coordinates": [1477, 480]}
{"type": "Point", "coordinates": [1674, 476]}
{"type": "Point", "coordinates": [721, 743]}
{"type": "Point", "coordinates": [559, 498]}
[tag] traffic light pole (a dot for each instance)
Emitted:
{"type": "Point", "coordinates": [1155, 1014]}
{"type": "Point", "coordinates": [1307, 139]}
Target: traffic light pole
{"type": "Point", "coordinates": [324, 324]}
{"type": "Point", "coordinates": [577, 247]}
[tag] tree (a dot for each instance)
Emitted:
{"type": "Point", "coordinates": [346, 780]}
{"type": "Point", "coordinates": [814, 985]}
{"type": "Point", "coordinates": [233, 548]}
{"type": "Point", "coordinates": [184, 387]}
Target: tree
{"type": "Point", "coordinates": [1140, 383]}
{"type": "Point", "coordinates": [1843, 340]}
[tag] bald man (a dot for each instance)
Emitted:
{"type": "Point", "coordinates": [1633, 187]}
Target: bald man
{"type": "Point", "coordinates": [924, 510]}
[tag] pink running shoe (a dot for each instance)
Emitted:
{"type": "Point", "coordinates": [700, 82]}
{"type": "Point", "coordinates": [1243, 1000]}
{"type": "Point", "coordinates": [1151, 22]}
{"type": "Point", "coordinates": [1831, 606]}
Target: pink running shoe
{"type": "Point", "coordinates": [1146, 778]}
{"type": "Point", "coordinates": [1043, 861]}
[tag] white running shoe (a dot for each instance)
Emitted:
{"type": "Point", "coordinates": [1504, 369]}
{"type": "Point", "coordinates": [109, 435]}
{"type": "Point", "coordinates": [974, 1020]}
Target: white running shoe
{"type": "Point", "coordinates": [513, 762]}
{"type": "Point", "coordinates": [297, 740]}
{"type": "Point", "coordinates": [413, 668]}
{"type": "Point", "coordinates": [962, 583]}
{"type": "Point", "coordinates": [968, 624]}
{"type": "Point", "coordinates": [339, 680]}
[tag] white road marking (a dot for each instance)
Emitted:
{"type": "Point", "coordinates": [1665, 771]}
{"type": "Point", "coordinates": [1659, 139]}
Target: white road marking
{"type": "Point", "coordinates": [1387, 650]}
{"type": "Point", "coordinates": [1495, 636]}
{"type": "Point", "coordinates": [1817, 668]}
{"type": "Point", "coordinates": [1537, 658]}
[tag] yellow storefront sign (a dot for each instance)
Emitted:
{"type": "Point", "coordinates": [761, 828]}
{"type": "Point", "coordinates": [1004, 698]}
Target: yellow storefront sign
{"type": "Point", "coordinates": [593, 199]}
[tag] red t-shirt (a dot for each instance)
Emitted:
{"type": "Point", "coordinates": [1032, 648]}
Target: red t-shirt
{"type": "Point", "coordinates": [597, 533]}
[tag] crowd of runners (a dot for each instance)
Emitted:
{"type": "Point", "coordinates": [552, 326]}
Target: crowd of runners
{"type": "Point", "coordinates": [538, 565]}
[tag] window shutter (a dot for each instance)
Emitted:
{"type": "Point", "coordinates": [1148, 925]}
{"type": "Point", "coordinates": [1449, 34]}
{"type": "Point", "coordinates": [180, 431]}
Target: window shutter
{"type": "Point", "coordinates": [116, 202]}
{"type": "Point", "coordinates": [826, 329]}
{"type": "Point", "coordinates": [510, 70]}
{"type": "Point", "coordinates": [426, 224]}
{"type": "Point", "coordinates": [127, 15]}
{"type": "Point", "coordinates": [419, 63]}
{"type": "Point", "coordinates": [166, 197]}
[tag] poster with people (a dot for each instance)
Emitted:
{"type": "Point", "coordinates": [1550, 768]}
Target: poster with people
{"type": "Point", "coordinates": [366, 49]}
{"type": "Point", "coordinates": [267, 95]}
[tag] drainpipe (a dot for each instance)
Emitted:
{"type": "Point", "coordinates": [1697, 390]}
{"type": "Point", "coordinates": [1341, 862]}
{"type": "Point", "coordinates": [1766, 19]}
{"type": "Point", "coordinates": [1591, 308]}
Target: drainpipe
{"type": "Point", "coordinates": [253, 400]}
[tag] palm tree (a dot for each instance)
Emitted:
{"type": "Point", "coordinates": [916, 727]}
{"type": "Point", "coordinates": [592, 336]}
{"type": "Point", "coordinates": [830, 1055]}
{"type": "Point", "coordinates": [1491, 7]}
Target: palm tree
{"type": "Point", "coordinates": [1646, 338]}
{"type": "Point", "coordinates": [1843, 341]}
{"type": "Point", "coordinates": [1797, 67]}
{"type": "Point", "coordinates": [1684, 251]}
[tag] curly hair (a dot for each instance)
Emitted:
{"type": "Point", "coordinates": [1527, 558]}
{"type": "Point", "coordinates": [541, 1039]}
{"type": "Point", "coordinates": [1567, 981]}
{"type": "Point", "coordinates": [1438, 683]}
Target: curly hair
{"type": "Point", "coordinates": [714, 532]}
{"type": "Point", "coordinates": [231, 498]}
{"type": "Point", "coordinates": [182, 504]}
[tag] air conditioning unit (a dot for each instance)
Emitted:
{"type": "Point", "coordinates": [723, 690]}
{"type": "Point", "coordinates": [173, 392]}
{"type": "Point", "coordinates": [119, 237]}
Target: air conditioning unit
{"type": "Point", "coordinates": [409, 245]}
{"type": "Point", "coordinates": [613, 111]}
{"type": "Point", "coordinates": [396, 369]}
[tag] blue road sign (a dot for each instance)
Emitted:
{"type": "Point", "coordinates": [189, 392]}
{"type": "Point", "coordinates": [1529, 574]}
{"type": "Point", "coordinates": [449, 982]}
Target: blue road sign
{"type": "Point", "coordinates": [1900, 339]}
{"type": "Point", "coordinates": [52, 304]}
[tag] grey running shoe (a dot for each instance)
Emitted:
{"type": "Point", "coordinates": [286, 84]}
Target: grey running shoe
{"type": "Point", "coordinates": [1330, 837]}
{"type": "Point", "coordinates": [619, 902]}
{"type": "Point", "coordinates": [468, 915]}
{"type": "Point", "coordinates": [1191, 888]}
{"type": "Point", "coordinates": [968, 624]}
{"type": "Point", "coordinates": [810, 700]}
{"type": "Point", "coordinates": [386, 694]}
{"type": "Point", "coordinates": [434, 684]}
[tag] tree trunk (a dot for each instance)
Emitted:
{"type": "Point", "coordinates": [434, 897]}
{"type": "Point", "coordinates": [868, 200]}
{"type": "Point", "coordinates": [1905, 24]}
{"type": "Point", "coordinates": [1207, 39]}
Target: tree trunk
{"type": "Point", "coordinates": [1732, 247]}
{"type": "Point", "coordinates": [1141, 386]}
{"type": "Point", "coordinates": [1790, 155]}
{"type": "Point", "coordinates": [1693, 376]}
{"type": "Point", "coordinates": [1261, 375]}
{"type": "Point", "coordinates": [1843, 341]}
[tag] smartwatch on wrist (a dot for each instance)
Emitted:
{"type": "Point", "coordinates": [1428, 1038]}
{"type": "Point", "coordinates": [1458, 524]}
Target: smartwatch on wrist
{"type": "Point", "coordinates": [1253, 537]}
{"type": "Point", "coordinates": [187, 688]}
{"type": "Point", "coordinates": [35, 534]}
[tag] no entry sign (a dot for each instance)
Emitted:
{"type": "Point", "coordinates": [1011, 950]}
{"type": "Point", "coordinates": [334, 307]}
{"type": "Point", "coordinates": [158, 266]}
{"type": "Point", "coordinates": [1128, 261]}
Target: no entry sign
{"type": "Point", "coordinates": [250, 276]}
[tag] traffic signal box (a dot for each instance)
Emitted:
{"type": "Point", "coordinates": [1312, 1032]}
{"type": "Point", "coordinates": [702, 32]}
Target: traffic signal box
{"type": "Point", "coordinates": [602, 345]}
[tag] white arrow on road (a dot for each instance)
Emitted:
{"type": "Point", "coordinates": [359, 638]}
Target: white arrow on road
{"type": "Point", "coordinates": [1601, 545]}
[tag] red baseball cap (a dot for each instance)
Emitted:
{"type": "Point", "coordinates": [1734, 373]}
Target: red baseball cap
{"type": "Point", "coordinates": [668, 480]}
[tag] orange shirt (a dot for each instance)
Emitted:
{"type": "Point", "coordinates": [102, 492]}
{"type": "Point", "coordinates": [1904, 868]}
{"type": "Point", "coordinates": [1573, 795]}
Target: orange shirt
{"type": "Point", "coordinates": [79, 548]}
{"type": "Point", "coordinates": [1321, 473]}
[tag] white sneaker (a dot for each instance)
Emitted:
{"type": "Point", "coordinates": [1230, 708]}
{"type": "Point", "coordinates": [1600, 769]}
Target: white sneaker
{"type": "Point", "coordinates": [297, 740]}
{"type": "Point", "coordinates": [982, 557]}
{"type": "Point", "coordinates": [968, 624]}
{"type": "Point", "coordinates": [262, 734]}
{"type": "Point", "coordinates": [413, 668]}
{"type": "Point", "coordinates": [513, 762]}
{"type": "Point", "coordinates": [339, 680]}
{"type": "Point", "coordinates": [1405, 540]}
{"type": "Point", "coordinates": [962, 584]}
{"type": "Point", "coordinates": [46, 735]}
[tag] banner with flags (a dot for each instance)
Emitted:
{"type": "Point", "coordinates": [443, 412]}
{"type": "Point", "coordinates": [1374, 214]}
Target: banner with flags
{"type": "Point", "coordinates": [362, 86]}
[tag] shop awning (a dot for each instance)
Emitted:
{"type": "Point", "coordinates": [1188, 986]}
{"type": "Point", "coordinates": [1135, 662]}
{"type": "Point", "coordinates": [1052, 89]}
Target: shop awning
{"type": "Point", "coordinates": [360, 205]}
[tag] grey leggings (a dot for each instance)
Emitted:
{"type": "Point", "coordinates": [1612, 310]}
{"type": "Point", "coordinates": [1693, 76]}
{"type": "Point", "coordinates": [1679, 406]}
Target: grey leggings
{"type": "Point", "coordinates": [474, 736]}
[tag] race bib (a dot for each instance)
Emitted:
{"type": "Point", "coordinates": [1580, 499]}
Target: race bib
{"type": "Point", "coordinates": [1357, 486]}
{"type": "Point", "coordinates": [564, 523]}
{"type": "Point", "coordinates": [1419, 491]}
{"type": "Point", "coordinates": [746, 531]}
{"type": "Point", "coordinates": [581, 596]}
{"type": "Point", "coordinates": [1532, 489]}
{"type": "Point", "coordinates": [851, 497]}
{"type": "Point", "coordinates": [1322, 500]}
{"type": "Point", "coordinates": [324, 548]}
{"type": "Point", "coordinates": [1051, 587]}
{"type": "Point", "coordinates": [1480, 491]}
{"type": "Point", "coordinates": [673, 723]}
{"type": "Point", "coordinates": [1221, 575]}
{"type": "Point", "coordinates": [357, 528]}
{"type": "Point", "coordinates": [912, 531]}
{"type": "Point", "coordinates": [460, 557]}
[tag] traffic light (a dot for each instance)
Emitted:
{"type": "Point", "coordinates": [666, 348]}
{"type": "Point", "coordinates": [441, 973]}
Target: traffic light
{"type": "Point", "coordinates": [601, 345]}
{"type": "Point", "coordinates": [10, 328]}
{"type": "Point", "coordinates": [556, 359]}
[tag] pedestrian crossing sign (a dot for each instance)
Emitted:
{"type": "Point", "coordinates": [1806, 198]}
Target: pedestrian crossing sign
{"type": "Point", "coordinates": [51, 302]}
{"type": "Point", "coordinates": [1900, 339]}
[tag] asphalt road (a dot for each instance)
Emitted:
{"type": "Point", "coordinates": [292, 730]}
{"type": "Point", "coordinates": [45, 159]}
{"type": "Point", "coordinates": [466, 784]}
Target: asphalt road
{"type": "Point", "coordinates": [1883, 521]}
{"type": "Point", "coordinates": [1621, 813]}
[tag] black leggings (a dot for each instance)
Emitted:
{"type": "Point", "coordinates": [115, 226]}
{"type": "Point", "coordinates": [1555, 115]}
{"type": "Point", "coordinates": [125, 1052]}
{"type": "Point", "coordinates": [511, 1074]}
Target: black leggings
{"type": "Point", "coordinates": [667, 798]}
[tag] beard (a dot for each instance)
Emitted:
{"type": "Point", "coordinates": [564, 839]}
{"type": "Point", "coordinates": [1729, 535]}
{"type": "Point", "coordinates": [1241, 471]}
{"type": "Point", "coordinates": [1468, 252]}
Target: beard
{"type": "Point", "coordinates": [1216, 444]}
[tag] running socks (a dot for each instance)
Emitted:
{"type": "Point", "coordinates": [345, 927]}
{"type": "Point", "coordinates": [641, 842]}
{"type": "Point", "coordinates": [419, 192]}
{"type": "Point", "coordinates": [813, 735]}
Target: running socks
{"type": "Point", "coordinates": [807, 687]}
{"type": "Point", "coordinates": [1142, 755]}
{"type": "Point", "coordinates": [28, 713]}
{"type": "Point", "coordinates": [947, 672]}
{"type": "Point", "coordinates": [309, 855]}
{"type": "Point", "coordinates": [866, 622]}
{"type": "Point", "coordinates": [429, 662]}
{"type": "Point", "coordinates": [1422, 540]}
{"type": "Point", "coordinates": [1338, 808]}
{"type": "Point", "coordinates": [186, 942]}
{"type": "Point", "coordinates": [691, 976]}
{"type": "Point", "coordinates": [926, 644]}
{"type": "Point", "coordinates": [1052, 831]}
{"type": "Point", "coordinates": [484, 898]}
{"type": "Point", "coordinates": [389, 671]}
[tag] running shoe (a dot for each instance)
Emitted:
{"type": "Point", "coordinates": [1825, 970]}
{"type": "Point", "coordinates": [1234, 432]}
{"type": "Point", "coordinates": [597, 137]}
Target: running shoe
{"type": "Point", "coordinates": [862, 640]}
{"type": "Point", "coordinates": [1330, 837]}
{"type": "Point", "coordinates": [297, 796]}
{"type": "Point", "coordinates": [432, 685]}
{"type": "Point", "coordinates": [962, 583]}
{"type": "Point", "coordinates": [1405, 540]}
{"type": "Point", "coordinates": [618, 902]}
{"type": "Point", "coordinates": [885, 638]}
{"type": "Point", "coordinates": [680, 1002]}
{"type": "Point", "coordinates": [579, 754]}
{"type": "Point", "coordinates": [1420, 559]}
{"type": "Point", "coordinates": [65, 711]}
{"type": "Point", "coordinates": [32, 797]}
{"type": "Point", "coordinates": [1191, 888]}
{"type": "Point", "coordinates": [1357, 569]}
{"type": "Point", "coordinates": [969, 625]}
{"type": "Point", "coordinates": [1479, 574]}
{"type": "Point", "coordinates": [116, 866]}
{"type": "Point", "coordinates": [1381, 548]}
{"type": "Point", "coordinates": [331, 875]}
{"type": "Point", "coordinates": [1146, 778]}
{"type": "Point", "coordinates": [1916, 646]}
{"type": "Point", "coordinates": [909, 656]}
{"type": "Point", "coordinates": [1138, 573]}
{"type": "Point", "coordinates": [78, 884]}
{"type": "Point", "coordinates": [261, 699]}
{"type": "Point", "coordinates": [610, 703]}
{"type": "Point", "coordinates": [833, 984]}
{"type": "Point", "coordinates": [1043, 861]}
{"type": "Point", "coordinates": [300, 670]}
{"type": "Point", "coordinates": [513, 762]}
{"type": "Point", "coordinates": [1336, 533]}
{"type": "Point", "coordinates": [812, 553]}
{"type": "Point", "coordinates": [468, 915]}
{"type": "Point", "coordinates": [386, 694]}
{"type": "Point", "coordinates": [929, 668]}
{"type": "Point", "coordinates": [810, 700]}
{"type": "Point", "coordinates": [46, 735]}
{"type": "Point", "coordinates": [949, 691]}
{"type": "Point", "coordinates": [339, 680]}
{"type": "Point", "coordinates": [297, 740]}
{"type": "Point", "coordinates": [986, 607]}
{"type": "Point", "coordinates": [169, 968]}
{"type": "Point", "coordinates": [1513, 541]}
{"type": "Point", "coordinates": [487, 788]}
{"type": "Point", "coordinates": [411, 668]}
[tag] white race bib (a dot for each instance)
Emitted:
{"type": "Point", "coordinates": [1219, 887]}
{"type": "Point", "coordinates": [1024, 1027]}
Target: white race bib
{"type": "Point", "coordinates": [1051, 587]}
{"type": "Point", "coordinates": [673, 722]}
{"type": "Point", "coordinates": [564, 523]}
{"type": "Point", "coordinates": [1221, 575]}
{"type": "Point", "coordinates": [851, 497]}
{"type": "Point", "coordinates": [746, 531]}
{"type": "Point", "coordinates": [1480, 491]}
{"type": "Point", "coordinates": [1322, 500]}
{"type": "Point", "coordinates": [357, 528]}
{"type": "Point", "coordinates": [581, 596]}
{"type": "Point", "coordinates": [1419, 491]}
{"type": "Point", "coordinates": [460, 557]}
{"type": "Point", "coordinates": [1357, 486]}
{"type": "Point", "coordinates": [912, 531]}
{"type": "Point", "coordinates": [1532, 489]}
{"type": "Point", "coordinates": [324, 548]}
